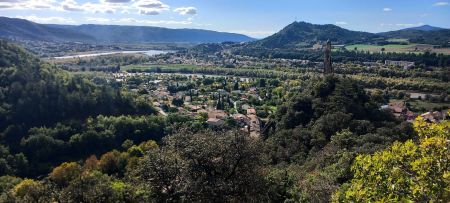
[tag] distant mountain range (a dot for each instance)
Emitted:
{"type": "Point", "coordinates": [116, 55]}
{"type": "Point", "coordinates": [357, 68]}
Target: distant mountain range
{"type": "Point", "coordinates": [295, 35]}
{"type": "Point", "coordinates": [302, 34]}
{"type": "Point", "coordinates": [22, 29]}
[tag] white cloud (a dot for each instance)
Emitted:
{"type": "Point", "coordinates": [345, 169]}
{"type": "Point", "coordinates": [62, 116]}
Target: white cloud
{"type": "Point", "coordinates": [6, 5]}
{"type": "Point", "coordinates": [151, 22]}
{"type": "Point", "coordinates": [149, 12]}
{"type": "Point", "coordinates": [72, 5]}
{"type": "Point", "coordinates": [97, 20]}
{"type": "Point", "coordinates": [29, 4]}
{"type": "Point", "coordinates": [254, 33]}
{"type": "Point", "coordinates": [401, 24]}
{"type": "Point", "coordinates": [150, 7]}
{"type": "Point", "coordinates": [48, 19]}
{"type": "Point", "coordinates": [10, 1]}
{"type": "Point", "coordinates": [146, 7]}
{"type": "Point", "coordinates": [387, 9]}
{"type": "Point", "coordinates": [341, 23]}
{"type": "Point", "coordinates": [115, 1]}
{"type": "Point", "coordinates": [152, 4]}
{"type": "Point", "coordinates": [441, 3]}
{"type": "Point", "coordinates": [186, 10]}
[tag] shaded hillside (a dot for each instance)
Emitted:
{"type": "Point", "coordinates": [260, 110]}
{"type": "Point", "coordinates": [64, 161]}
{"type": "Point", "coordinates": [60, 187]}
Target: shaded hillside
{"type": "Point", "coordinates": [20, 29]}
{"type": "Point", "coordinates": [33, 93]}
{"type": "Point", "coordinates": [14, 28]}
{"type": "Point", "coordinates": [137, 34]}
{"type": "Point", "coordinates": [302, 34]}
{"type": "Point", "coordinates": [425, 28]}
{"type": "Point", "coordinates": [434, 37]}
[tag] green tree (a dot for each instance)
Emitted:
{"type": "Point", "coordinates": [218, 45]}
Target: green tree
{"type": "Point", "coordinates": [65, 173]}
{"type": "Point", "coordinates": [207, 166]}
{"type": "Point", "coordinates": [416, 171]}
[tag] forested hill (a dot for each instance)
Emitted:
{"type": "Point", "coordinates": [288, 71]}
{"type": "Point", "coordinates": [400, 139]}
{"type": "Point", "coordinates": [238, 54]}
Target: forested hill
{"type": "Point", "coordinates": [14, 28]}
{"type": "Point", "coordinates": [305, 35]}
{"type": "Point", "coordinates": [144, 34]}
{"type": "Point", "coordinates": [299, 34]}
{"type": "Point", "coordinates": [22, 29]}
{"type": "Point", "coordinates": [425, 28]}
{"type": "Point", "coordinates": [35, 94]}
{"type": "Point", "coordinates": [433, 36]}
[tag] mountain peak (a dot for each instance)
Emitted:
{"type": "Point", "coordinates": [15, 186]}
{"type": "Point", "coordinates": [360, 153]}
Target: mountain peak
{"type": "Point", "coordinates": [303, 34]}
{"type": "Point", "coordinates": [425, 28]}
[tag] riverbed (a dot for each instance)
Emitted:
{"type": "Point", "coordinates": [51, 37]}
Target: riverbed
{"type": "Point", "coordinates": [145, 52]}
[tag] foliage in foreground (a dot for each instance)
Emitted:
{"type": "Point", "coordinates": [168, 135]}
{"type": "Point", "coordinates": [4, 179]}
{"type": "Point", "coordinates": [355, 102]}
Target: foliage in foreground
{"type": "Point", "coordinates": [417, 171]}
{"type": "Point", "coordinates": [203, 167]}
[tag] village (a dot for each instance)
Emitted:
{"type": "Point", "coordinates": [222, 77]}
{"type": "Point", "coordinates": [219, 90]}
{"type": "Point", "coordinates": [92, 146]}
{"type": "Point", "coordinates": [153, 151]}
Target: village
{"type": "Point", "coordinates": [217, 101]}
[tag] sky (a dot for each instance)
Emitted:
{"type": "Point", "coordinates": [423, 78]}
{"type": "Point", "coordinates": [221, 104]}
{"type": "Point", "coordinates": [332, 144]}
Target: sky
{"type": "Point", "coordinates": [256, 18]}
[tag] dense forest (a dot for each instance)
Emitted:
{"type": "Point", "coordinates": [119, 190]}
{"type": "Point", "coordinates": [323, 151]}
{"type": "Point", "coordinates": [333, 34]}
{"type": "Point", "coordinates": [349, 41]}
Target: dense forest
{"type": "Point", "coordinates": [435, 37]}
{"type": "Point", "coordinates": [65, 138]}
{"type": "Point", "coordinates": [33, 95]}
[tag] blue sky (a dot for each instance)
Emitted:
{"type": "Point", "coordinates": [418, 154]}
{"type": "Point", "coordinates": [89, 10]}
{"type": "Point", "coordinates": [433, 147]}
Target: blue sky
{"type": "Point", "coordinates": [257, 18]}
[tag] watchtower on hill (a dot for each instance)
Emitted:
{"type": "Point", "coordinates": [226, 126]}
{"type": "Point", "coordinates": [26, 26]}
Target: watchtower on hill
{"type": "Point", "coordinates": [327, 63]}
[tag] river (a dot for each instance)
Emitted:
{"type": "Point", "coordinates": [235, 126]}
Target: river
{"type": "Point", "coordinates": [146, 52]}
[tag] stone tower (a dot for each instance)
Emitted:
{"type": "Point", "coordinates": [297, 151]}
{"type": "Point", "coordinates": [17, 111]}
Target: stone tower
{"type": "Point", "coordinates": [327, 64]}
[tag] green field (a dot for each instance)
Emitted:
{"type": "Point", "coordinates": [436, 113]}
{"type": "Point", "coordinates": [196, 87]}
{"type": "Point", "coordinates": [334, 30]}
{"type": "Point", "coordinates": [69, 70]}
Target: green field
{"type": "Point", "coordinates": [376, 48]}
{"type": "Point", "coordinates": [427, 106]}
{"type": "Point", "coordinates": [422, 106]}
{"type": "Point", "coordinates": [399, 48]}
{"type": "Point", "coordinates": [174, 67]}
{"type": "Point", "coordinates": [398, 40]}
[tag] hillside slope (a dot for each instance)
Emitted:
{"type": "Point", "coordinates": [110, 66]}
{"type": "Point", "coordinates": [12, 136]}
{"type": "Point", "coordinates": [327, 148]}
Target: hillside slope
{"type": "Point", "coordinates": [300, 34]}
{"type": "Point", "coordinates": [13, 28]}
{"type": "Point", "coordinates": [138, 34]}
{"type": "Point", "coordinates": [425, 28]}
{"type": "Point", "coordinates": [422, 36]}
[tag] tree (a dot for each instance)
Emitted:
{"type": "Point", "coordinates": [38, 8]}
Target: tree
{"type": "Point", "coordinates": [6, 184]}
{"type": "Point", "coordinates": [29, 191]}
{"type": "Point", "coordinates": [262, 82]}
{"type": "Point", "coordinates": [178, 101]}
{"type": "Point", "coordinates": [413, 171]}
{"type": "Point", "coordinates": [207, 166]}
{"type": "Point", "coordinates": [65, 173]}
{"type": "Point", "coordinates": [236, 86]}
{"type": "Point", "coordinates": [113, 163]}
{"type": "Point", "coordinates": [89, 187]}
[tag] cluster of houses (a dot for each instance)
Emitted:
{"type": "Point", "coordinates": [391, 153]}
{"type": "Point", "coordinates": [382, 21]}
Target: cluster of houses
{"type": "Point", "coordinates": [248, 123]}
{"type": "Point", "coordinates": [400, 111]}
{"type": "Point", "coordinates": [405, 64]}
{"type": "Point", "coordinates": [226, 60]}
{"type": "Point", "coordinates": [196, 103]}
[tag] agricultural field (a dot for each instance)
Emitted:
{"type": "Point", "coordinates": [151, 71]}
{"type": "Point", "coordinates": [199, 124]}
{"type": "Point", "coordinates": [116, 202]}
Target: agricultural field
{"type": "Point", "coordinates": [399, 48]}
{"type": "Point", "coordinates": [173, 67]}
{"type": "Point", "coordinates": [424, 106]}
{"type": "Point", "coordinates": [400, 40]}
